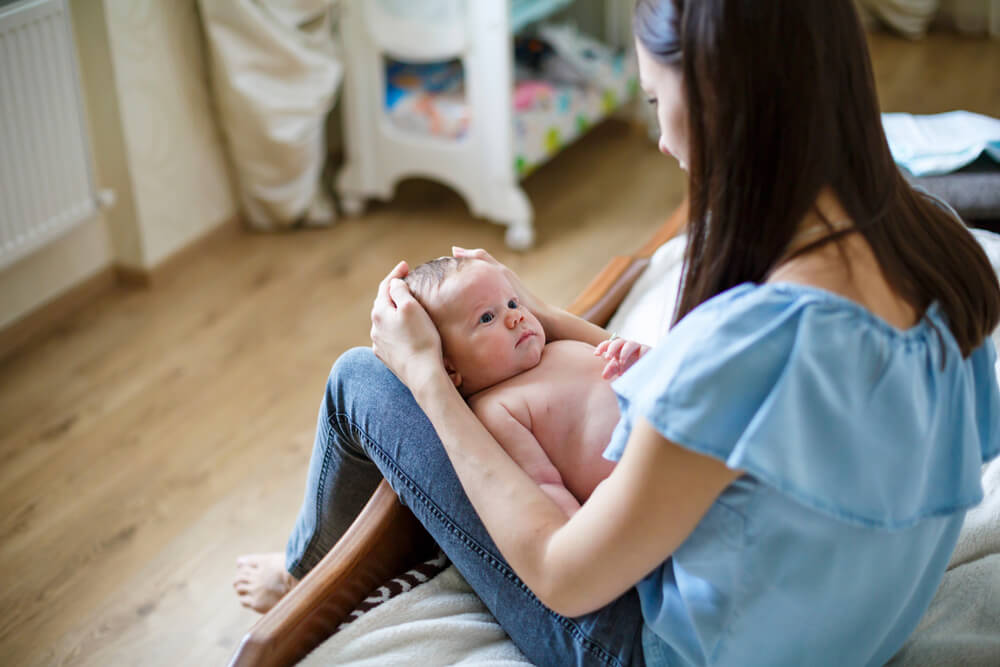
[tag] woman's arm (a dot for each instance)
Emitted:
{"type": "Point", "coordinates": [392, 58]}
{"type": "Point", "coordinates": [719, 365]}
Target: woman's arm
{"type": "Point", "coordinates": [634, 520]}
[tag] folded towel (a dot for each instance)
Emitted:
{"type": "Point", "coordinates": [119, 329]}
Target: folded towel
{"type": "Point", "coordinates": [940, 143]}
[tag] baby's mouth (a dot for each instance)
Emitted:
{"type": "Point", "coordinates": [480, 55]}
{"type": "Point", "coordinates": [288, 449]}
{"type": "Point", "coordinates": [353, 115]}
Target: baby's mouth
{"type": "Point", "coordinates": [525, 336]}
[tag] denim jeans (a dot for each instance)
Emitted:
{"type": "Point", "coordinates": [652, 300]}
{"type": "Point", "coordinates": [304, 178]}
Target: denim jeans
{"type": "Point", "coordinates": [370, 427]}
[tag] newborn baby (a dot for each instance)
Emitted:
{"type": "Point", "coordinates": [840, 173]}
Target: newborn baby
{"type": "Point", "coordinates": [549, 405]}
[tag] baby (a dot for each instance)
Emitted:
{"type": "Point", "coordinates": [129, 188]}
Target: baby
{"type": "Point", "coordinates": [549, 405]}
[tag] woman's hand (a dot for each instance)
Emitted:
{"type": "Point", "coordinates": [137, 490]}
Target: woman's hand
{"type": "Point", "coordinates": [538, 307]}
{"type": "Point", "coordinates": [620, 353]}
{"type": "Point", "coordinates": [403, 335]}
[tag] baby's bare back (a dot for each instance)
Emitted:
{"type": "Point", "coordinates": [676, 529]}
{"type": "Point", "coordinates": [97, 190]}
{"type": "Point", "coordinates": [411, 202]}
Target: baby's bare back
{"type": "Point", "coordinates": [569, 409]}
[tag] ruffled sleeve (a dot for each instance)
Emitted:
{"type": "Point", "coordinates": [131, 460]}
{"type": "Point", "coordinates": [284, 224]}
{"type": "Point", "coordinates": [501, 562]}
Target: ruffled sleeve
{"type": "Point", "coordinates": [814, 396]}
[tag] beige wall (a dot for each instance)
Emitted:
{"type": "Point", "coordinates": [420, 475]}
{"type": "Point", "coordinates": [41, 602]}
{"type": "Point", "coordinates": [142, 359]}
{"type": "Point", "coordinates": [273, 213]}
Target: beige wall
{"type": "Point", "coordinates": [107, 133]}
{"type": "Point", "coordinates": [179, 175]}
{"type": "Point", "coordinates": [154, 142]}
{"type": "Point", "coordinates": [38, 278]}
{"type": "Point", "coordinates": [84, 250]}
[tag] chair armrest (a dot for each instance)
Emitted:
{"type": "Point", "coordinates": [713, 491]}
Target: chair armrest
{"type": "Point", "coordinates": [600, 299]}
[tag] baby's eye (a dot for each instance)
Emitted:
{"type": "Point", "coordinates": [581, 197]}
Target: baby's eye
{"type": "Point", "coordinates": [651, 100]}
{"type": "Point", "coordinates": [512, 303]}
{"type": "Point", "coordinates": [486, 318]}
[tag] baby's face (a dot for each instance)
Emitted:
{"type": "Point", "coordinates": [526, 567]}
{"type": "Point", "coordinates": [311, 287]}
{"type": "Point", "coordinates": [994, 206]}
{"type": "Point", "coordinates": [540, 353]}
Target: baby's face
{"type": "Point", "coordinates": [486, 335]}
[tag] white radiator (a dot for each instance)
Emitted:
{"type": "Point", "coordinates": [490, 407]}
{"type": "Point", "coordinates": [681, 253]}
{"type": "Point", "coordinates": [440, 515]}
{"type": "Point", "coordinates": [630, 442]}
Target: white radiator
{"type": "Point", "coordinates": [46, 185]}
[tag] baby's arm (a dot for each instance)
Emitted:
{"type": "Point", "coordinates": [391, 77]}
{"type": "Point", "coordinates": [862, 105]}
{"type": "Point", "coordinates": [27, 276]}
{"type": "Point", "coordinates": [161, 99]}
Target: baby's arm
{"type": "Point", "coordinates": [522, 446]}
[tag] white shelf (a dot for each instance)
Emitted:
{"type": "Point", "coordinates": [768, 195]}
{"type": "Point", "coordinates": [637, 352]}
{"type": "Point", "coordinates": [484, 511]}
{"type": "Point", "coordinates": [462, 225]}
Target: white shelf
{"type": "Point", "coordinates": [499, 147]}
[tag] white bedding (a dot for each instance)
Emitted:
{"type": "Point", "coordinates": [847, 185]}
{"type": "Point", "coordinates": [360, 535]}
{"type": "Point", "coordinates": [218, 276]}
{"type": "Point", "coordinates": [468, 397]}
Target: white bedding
{"type": "Point", "coordinates": [962, 626]}
{"type": "Point", "coordinates": [442, 622]}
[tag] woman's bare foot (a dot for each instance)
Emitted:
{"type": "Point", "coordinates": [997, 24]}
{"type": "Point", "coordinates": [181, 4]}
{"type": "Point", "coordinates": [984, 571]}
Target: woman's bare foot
{"type": "Point", "coordinates": [261, 580]}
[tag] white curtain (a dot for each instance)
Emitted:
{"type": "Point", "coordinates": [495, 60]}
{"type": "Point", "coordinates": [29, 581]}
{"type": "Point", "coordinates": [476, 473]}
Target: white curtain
{"type": "Point", "coordinates": [912, 18]}
{"type": "Point", "coordinates": [275, 73]}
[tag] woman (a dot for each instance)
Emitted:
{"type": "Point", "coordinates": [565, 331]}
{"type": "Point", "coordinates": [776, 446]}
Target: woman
{"type": "Point", "coordinates": [795, 457]}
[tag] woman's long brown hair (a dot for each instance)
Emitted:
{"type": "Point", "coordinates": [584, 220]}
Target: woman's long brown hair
{"type": "Point", "coordinates": [781, 103]}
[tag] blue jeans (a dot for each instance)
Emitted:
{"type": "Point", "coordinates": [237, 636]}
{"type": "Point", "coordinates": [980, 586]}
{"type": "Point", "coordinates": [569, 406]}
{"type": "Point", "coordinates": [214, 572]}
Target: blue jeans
{"type": "Point", "coordinates": [369, 428]}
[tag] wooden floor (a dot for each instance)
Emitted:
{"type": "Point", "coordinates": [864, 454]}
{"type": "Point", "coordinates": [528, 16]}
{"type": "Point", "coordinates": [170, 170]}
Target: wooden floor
{"type": "Point", "coordinates": [151, 439]}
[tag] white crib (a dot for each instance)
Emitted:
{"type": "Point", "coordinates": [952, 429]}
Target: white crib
{"type": "Point", "coordinates": [483, 165]}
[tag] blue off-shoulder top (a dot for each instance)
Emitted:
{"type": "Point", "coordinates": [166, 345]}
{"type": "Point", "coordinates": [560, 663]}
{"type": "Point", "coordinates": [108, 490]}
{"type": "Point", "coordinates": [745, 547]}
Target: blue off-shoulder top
{"type": "Point", "coordinates": [862, 446]}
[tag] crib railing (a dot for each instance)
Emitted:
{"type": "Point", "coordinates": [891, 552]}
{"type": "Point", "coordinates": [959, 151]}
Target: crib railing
{"type": "Point", "coordinates": [46, 184]}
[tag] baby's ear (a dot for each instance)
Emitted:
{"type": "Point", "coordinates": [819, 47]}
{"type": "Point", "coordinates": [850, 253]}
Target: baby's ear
{"type": "Point", "coordinates": [456, 377]}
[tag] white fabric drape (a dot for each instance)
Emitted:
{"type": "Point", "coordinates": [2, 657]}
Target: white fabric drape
{"type": "Point", "coordinates": [275, 73]}
{"type": "Point", "coordinates": [913, 17]}
{"type": "Point", "coordinates": [910, 17]}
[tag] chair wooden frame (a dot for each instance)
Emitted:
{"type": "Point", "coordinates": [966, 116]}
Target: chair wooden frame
{"type": "Point", "coordinates": [386, 539]}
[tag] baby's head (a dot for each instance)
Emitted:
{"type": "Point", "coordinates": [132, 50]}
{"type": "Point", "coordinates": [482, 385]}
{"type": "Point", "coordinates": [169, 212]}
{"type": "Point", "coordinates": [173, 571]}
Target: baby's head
{"type": "Point", "coordinates": [487, 336]}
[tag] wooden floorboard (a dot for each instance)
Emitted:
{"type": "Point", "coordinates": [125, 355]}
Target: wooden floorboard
{"type": "Point", "coordinates": [156, 434]}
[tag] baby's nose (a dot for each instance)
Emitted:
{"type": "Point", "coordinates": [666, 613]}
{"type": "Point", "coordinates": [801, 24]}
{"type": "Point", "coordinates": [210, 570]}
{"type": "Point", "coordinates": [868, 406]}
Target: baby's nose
{"type": "Point", "coordinates": [514, 317]}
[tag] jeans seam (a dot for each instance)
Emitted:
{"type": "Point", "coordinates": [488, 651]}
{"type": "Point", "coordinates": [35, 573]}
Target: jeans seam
{"type": "Point", "coordinates": [568, 625]}
{"type": "Point", "coordinates": [320, 488]}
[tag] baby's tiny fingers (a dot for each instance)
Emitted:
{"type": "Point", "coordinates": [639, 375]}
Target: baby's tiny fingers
{"type": "Point", "coordinates": [610, 370]}
{"type": "Point", "coordinates": [614, 348]}
{"type": "Point", "coordinates": [629, 349]}
{"type": "Point", "coordinates": [601, 347]}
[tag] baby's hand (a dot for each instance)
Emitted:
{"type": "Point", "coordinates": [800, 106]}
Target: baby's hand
{"type": "Point", "coordinates": [620, 353]}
